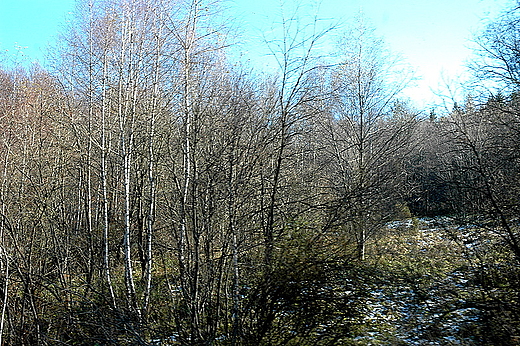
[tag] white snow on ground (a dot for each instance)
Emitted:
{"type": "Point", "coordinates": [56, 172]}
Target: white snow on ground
{"type": "Point", "coordinates": [436, 316]}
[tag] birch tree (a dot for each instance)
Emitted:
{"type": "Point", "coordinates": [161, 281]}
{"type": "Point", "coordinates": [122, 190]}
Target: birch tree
{"type": "Point", "coordinates": [284, 111]}
{"type": "Point", "coordinates": [365, 137]}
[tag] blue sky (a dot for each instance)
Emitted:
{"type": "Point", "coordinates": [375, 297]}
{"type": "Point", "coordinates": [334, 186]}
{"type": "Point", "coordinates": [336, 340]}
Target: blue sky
{"type": "Point", "coordinates": [431, 35]}
{"type": "Point", "coordinates": [27, 26]}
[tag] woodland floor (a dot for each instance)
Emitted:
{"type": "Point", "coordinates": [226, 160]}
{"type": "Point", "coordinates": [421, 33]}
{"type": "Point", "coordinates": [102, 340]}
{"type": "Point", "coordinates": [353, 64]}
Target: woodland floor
{"type": "Point", "coordinates": [431, 290]}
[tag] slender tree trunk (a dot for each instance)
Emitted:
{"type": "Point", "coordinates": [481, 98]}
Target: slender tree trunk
{"type": "Point", "coordinates": [151, 168]}
{"type": "Point", "coordinates": [4, 253]}
{"type": "Point", "coordinates": [104, 153]}
{"type": "Point", "coordinates": [5, 256]}
{"type": "Point", "coordinates": [190, 276]}
{"type": "Point", "coordinates": [126, 140]}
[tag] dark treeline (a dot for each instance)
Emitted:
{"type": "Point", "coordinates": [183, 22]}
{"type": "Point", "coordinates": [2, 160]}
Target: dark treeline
{"type": "Point", "coordinates": [155, 192]}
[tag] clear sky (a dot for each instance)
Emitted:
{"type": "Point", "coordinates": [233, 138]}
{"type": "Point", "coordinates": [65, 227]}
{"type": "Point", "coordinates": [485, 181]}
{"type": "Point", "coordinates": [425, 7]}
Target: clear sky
{"type": "Point", "coordinates": [27, 26]}
{"type": "Point", "coordinates": [431, 35]}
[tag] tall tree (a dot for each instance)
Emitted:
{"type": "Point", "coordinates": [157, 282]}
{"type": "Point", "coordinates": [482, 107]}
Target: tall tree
{"type": "Point", "coordinates": [497, 53]}
{"type": "Point", "coordinates": [366, 137]}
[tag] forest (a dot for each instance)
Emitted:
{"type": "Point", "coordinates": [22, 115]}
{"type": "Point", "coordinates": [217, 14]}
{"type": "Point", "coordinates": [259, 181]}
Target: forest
{"type": "Point", "coordinates": [156, 191]}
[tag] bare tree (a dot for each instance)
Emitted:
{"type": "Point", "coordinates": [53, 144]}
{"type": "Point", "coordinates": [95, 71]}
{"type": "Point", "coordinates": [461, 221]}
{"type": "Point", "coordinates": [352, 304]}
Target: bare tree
{"type": "Point", "coordinates": [496, 65]}
{"type": "Point", "coordinates": [366, 138]}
